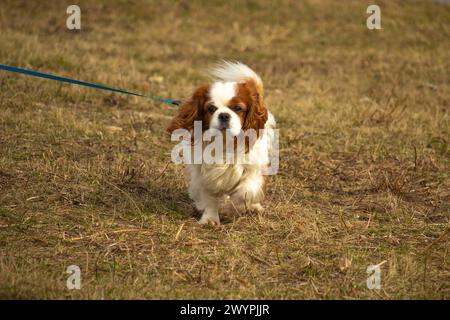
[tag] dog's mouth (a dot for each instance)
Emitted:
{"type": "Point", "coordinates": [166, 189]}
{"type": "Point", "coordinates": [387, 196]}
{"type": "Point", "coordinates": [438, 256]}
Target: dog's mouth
{"type": "Point", "coordinates": [227, 129]}
{"type": "Point", "coordinates": [224, 126]}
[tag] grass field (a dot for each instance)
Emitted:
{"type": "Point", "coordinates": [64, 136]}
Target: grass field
{"type": "Point", "coordinates": [86, 176]}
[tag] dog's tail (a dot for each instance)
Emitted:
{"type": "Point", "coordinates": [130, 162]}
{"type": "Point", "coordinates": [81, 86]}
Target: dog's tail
{"type": "Point", "coordinates": [236, 72]}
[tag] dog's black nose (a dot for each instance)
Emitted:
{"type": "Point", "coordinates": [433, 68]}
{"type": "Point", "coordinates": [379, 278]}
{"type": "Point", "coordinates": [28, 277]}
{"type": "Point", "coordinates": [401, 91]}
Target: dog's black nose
{"type": "Point", "coordinates": [224, 117]}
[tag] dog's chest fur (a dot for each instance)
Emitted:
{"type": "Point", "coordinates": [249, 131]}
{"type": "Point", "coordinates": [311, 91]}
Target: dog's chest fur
{"type": "Point", "coordinates": [222, 178]}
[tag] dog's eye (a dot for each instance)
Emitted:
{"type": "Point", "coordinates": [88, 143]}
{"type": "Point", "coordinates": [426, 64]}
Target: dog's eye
{"type": "Point", "coordinates": [212, 109]}
{"type": "Point", "coordinates": [237, 109]}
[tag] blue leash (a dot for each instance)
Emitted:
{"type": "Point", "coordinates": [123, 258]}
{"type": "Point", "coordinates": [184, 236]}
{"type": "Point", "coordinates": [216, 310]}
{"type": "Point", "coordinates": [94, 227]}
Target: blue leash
{"type": "Point", "coordinates": [82, 83]}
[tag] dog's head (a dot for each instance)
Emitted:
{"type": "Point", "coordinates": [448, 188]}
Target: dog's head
{"type": "Point", "coordinates": [234, 106]}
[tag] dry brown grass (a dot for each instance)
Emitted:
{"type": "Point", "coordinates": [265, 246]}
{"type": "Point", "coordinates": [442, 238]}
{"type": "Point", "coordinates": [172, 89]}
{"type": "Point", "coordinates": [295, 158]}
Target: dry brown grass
{"type": "Point", "coordinates": [86, 178]}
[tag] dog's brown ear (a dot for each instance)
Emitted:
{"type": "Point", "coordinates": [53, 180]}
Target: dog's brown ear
{"type": "Point", "coordinates": [190, 111]}
{"type": "Point", "coordinates": [257, 114]}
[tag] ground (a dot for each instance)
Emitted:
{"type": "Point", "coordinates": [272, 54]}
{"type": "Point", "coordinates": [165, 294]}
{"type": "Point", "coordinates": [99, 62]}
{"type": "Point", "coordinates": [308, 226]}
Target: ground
{"type": "Point", "coordinates": [86, 177]}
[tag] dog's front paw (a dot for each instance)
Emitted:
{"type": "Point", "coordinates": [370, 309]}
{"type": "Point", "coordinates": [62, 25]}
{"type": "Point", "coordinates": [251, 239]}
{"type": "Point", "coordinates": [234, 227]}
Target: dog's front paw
{"type": "Point", "coordinates": [209, 220]}
{"type": "Point", "coordinates": [257, 207]}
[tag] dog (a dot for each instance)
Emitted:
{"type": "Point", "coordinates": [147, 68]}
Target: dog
{"type": "Point", "coordinates": [232, 104]}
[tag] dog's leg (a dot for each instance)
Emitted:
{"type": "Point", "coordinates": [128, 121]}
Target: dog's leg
{"type": "Point", "coordinates": [204, 202]}
{"type": "Point", "coordinates": [248, 195]}
{"type": "Point", "coordinates": [211, 213]}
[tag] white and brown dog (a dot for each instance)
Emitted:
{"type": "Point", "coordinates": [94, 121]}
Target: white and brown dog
{"type": "Point", "coordinates": [232, 103]}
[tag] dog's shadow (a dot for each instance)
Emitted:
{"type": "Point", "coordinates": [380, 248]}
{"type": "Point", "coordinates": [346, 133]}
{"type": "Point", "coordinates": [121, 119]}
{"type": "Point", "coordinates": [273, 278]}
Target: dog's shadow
{"type": "Point", "coordinates": [158, 197]}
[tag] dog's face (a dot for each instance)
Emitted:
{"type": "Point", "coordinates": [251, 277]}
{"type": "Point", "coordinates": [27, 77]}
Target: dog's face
{"type": "Point", "coordinates": [225, 110]}
{"type": "Point", "coordinates": [230, 106]}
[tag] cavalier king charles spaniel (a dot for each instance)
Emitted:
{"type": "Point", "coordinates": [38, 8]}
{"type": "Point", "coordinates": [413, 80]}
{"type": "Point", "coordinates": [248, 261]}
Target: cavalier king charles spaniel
{"type": "Point", "coordinates": [232, 105]}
